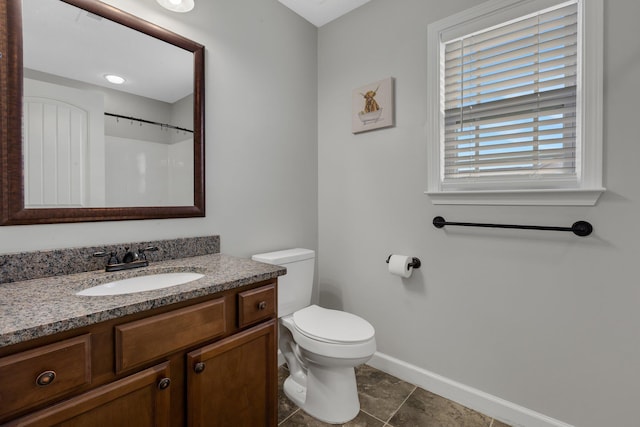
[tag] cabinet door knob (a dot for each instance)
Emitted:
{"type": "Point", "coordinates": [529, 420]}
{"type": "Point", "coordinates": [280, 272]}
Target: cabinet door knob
{"type": "Point", "coordinates": [198, 367]}
{"type": "Point", "coordinates": [164, 383]}
{"type": "Point", "coordinates": [262, 305]}
{"type": "Point", "coordinates": [46, 378]}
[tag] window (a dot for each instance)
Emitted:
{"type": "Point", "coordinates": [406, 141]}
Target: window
{"type": "Point", "coordinates": [515, 96]}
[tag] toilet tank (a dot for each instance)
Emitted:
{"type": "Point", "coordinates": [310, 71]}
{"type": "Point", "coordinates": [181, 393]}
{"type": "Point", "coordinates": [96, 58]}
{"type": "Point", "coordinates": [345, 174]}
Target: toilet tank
{"type": "Point", "coordinates": [294, 288]}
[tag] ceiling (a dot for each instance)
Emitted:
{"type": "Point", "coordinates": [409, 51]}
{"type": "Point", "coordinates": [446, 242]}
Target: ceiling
{"type": "Point", "coordinates": [320, 12]}
{"type": "Point", "coordinates": [63, 40]}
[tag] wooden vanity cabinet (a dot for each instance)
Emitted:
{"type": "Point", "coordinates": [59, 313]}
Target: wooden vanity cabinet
{"type": "Point", "coordinates": [211, 361]}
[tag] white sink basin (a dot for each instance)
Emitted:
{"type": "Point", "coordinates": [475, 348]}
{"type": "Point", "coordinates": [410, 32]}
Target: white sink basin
{"type": "Point", "coordinates": [141, 283]}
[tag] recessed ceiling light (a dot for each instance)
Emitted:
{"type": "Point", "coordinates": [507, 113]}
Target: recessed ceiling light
{"type": "Point", "coordinates": [116, 80]}
{"type": "Point", "coordinates": [177, 5]}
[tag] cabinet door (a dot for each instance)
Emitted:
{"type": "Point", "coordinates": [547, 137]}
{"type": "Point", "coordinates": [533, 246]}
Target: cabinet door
{"type": "Point", "coordinates": [233, 382]}
{"type": "Point", "coordinates": [138, 400]}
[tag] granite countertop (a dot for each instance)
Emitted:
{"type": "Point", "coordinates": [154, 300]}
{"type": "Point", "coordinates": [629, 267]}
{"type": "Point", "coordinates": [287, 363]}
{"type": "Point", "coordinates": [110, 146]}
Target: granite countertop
{"type": "Point", "coordinates": [39, 307]}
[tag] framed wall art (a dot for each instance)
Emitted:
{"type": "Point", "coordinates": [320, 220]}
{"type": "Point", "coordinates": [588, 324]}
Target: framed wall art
{"type": "Point", "coordinates": [372, 106]}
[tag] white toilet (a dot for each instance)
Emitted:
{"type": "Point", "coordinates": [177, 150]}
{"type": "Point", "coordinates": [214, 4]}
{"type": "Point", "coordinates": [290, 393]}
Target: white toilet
{"type": "Point", "coordinates": [321, 346]}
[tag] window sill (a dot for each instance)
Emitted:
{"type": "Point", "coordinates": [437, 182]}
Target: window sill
{"type": "Point", "coordinates": [559, 197]}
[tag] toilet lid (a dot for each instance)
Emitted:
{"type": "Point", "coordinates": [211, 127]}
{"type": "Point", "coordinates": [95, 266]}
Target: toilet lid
{"type": "Point", "coordinates": [332, 325]}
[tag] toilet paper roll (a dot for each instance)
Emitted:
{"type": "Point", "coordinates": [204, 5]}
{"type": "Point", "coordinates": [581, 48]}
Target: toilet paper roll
{"type": "Point", "coordinates": [399, 265]}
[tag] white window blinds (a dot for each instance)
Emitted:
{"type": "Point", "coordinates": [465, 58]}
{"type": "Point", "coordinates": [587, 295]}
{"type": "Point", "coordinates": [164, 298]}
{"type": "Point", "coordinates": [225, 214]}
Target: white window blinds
{"type": "Point", "coordinates": [509, 95]}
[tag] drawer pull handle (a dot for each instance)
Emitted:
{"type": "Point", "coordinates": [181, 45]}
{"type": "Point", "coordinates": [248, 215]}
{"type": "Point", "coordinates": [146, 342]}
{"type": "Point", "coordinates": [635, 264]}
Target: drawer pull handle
{"type": "Point", "coordinates": [46, 378]}
{"type": "Point", "coordinates": [262, 305]}
{"type": "Point", "coordinates": [198, 367]}
{"type": "Point", "coordinates": [164, 383]}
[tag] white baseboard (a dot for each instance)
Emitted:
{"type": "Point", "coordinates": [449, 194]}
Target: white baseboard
{"type": "Point", "coordinates": [485, 403]}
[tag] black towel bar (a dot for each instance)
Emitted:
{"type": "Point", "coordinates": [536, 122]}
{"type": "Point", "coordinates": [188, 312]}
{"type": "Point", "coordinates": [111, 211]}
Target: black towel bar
{"type": "Point", "coordinates": [579, 228]}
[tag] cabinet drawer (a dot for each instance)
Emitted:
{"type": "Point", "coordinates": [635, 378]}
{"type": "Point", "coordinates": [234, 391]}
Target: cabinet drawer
{"type": "Point", "coordinates": [256, 305]}
{"type": "Point", "coordinates": [148, 339]}
{"type": "Point", "coordinates": [36, 376]}
{"type": "Point", "coordinates": [140, 400]}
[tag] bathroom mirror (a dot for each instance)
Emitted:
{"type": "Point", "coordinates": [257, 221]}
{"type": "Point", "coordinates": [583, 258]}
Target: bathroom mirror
{"type": "Point", "coordinates": [75, 147]}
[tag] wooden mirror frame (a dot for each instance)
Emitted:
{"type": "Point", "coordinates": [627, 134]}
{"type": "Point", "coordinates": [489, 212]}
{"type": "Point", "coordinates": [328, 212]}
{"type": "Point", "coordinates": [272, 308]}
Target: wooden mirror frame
{"type": "Point", "coordinates": [12, 206]}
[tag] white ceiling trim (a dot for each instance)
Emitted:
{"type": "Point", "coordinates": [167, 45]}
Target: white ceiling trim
{"type": "Point", "coordinates": [320, 12]}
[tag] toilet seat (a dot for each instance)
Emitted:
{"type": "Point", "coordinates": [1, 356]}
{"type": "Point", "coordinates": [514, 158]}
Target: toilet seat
{"type": "Point", "coordinates": [324, 348]}
{"type": "Point", "coordinates": [332, 326]}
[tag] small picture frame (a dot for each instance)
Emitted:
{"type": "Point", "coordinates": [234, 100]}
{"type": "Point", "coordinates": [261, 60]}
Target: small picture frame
{"type": "Point", "coordinates": [372, 106]}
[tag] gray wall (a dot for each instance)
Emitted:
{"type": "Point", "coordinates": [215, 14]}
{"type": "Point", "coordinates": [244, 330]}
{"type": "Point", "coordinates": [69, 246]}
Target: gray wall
{"type": "Point", "coordinates": [544, 320]}
{"type": "Point", "coordinates": [127, 104]}
{"type": "Point", "coordinates": [548, 321]}
{"type": "Point", "coordinates": [261, 134]}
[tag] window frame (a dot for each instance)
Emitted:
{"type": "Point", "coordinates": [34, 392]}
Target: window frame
{"type": "Point", "coordinates": [587, 188]}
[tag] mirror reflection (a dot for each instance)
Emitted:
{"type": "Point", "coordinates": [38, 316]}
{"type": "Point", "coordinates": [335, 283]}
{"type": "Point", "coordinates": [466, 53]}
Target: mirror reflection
{"type": "Point", "coordinates": [107, 113]}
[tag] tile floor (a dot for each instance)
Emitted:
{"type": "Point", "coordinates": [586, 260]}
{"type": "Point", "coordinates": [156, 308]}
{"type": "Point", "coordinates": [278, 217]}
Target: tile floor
{"type": "Point", "coordinates": [386, 401]}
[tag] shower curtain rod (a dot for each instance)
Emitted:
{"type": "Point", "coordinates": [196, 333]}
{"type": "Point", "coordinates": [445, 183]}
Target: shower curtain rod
{"type": "Point", "coordinates": [579, 228]}
{"type": "Point", "coordinates": [164, 125]}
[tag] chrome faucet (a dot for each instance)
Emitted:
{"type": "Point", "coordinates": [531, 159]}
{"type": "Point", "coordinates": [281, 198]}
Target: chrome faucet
{"type": "Point", "coordinates": [131, 259]}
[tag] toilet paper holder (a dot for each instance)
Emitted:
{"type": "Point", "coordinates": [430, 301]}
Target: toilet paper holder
{"type": "Point", "coordinates": [415, 262]}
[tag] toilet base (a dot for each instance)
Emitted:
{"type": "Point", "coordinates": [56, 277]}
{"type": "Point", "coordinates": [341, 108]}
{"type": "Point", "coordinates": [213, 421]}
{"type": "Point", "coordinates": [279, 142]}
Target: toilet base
{"type": "Point", "coordinates": [331, 394]}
